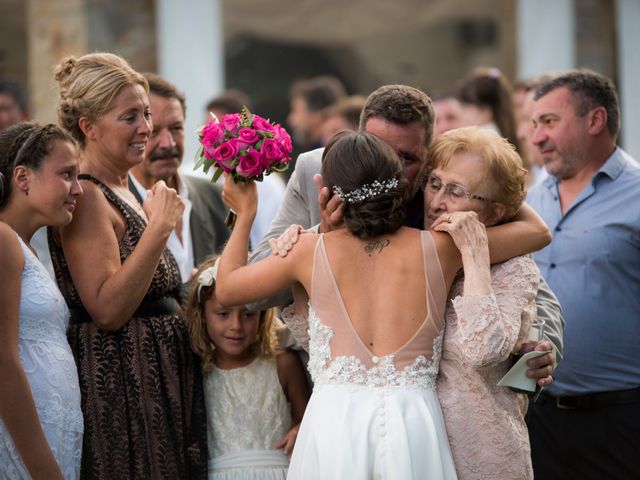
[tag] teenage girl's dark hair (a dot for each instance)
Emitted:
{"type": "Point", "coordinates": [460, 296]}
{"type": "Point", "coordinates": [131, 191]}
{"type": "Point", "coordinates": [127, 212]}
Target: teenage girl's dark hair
{"type": "Point", "coordinates": [25, 144]}
{"type": "Point", "coordinates": [353, 160]}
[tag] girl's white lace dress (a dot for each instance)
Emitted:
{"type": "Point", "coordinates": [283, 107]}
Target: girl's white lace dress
{"type": "Point", "coordinates": [247, 416]}
{"type": "Point", "coordinates": [51, 371]}
{"type": "Point", "coordinates": [371, 417]}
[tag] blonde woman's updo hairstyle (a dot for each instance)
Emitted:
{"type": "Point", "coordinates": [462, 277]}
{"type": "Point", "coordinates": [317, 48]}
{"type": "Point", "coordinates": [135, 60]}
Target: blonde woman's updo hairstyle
{"type": "Point", "coordinates": [352, 163]}
{"type": "Point", "coordinates": [506, 176]}
{"type": "Point", "coordinates": [25, 144]}
{"type": "Point", "coordinates": [88, 86]}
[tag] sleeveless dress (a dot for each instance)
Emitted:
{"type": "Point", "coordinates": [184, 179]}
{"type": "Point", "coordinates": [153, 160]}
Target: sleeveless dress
{"type": "Point", "coordinates": [51, 372]}
{"type": "Point", "coordinates": [372, 417]}
{"type": "Point", "coordinates": [248, 415]}
{"type": "Point", "coordinates": [141, 385]}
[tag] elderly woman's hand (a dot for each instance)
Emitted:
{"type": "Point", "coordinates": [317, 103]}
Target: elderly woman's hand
{"type": "Point", "coordinates": [163, 206]}
{"type": "Point", "coordinates": [467, 232]}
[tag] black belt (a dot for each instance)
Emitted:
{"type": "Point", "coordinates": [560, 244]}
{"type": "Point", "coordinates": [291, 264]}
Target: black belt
{"type": "Point", "coordinates": [592, 400]}
{"type": "Point", "coordinates": [148, 308]}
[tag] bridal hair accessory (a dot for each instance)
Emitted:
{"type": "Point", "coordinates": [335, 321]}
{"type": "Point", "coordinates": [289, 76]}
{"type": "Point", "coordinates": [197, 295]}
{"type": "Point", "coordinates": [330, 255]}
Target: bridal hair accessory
{"type": "Point", "coordinates": [366, 191]}
{"type": "Point", "coordinates": [208, 276]}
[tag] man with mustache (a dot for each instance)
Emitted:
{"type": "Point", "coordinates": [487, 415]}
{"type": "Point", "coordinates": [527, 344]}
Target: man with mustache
{"type": "Point", "coordinates": [202, 231]}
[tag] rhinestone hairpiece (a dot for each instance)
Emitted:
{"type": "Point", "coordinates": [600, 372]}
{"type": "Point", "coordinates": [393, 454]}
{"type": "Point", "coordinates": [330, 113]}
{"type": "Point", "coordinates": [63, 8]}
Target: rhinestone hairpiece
{"type": "Point", "coordinates": [366, 191]}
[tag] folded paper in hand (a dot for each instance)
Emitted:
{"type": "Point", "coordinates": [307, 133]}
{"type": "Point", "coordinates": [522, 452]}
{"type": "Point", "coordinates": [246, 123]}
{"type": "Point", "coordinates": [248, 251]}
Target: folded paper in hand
{"type": "Point", "coordinates": [517, 378]}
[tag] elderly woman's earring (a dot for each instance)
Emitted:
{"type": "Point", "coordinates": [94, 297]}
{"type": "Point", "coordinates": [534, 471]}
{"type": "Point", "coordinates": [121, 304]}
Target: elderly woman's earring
{"type": "Point", "coordinates": [26, 191]}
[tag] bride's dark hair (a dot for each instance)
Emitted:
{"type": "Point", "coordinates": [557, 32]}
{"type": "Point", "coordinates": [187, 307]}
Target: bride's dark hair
{"type": "Point", "coordinates": [356, 160]}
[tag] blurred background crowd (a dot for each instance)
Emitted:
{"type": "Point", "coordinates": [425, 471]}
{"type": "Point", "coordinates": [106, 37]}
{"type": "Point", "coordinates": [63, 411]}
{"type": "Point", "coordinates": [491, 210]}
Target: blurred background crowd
{"type": "Point", "coordinates": [262, 48]}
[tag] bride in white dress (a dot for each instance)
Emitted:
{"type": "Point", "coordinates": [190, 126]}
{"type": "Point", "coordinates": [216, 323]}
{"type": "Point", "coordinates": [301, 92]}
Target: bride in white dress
{"type": "Point", "coordinates": [40, 418]}
{"type": "Point", "coordinates": [377, 298]}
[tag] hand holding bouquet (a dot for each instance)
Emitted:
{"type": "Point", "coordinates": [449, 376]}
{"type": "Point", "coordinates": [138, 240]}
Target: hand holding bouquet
{"type": "Point", "coordinates": [243, 145]}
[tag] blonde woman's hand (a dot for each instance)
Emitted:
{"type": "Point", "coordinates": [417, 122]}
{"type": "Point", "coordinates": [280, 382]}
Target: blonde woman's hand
{"type": "Point", "coordinates": [163, 206]}
{"type": "Point", "coordinates": [241, 198]}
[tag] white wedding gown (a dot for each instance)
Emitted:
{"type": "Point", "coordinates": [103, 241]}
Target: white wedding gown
{"type": "Point", "coordinates": [371, 417]}
{"type": "Point", "coordinates": [51, 371]}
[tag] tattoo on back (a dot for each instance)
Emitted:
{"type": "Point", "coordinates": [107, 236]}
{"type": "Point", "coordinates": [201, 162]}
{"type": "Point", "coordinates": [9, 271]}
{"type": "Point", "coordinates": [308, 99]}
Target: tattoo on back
{"type": "Point", "coordinates": [378, 245]}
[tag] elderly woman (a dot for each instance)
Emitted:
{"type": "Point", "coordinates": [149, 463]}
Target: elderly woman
{"type": "Point", "coordinates": [141, 385]}
{"type": "Point", "coordinates": [491, 306]}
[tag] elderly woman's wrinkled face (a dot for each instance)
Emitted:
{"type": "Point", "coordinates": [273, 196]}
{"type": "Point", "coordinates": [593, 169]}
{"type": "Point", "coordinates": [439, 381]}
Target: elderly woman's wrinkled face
{"type": "Point", "coordinates": [457, 188]}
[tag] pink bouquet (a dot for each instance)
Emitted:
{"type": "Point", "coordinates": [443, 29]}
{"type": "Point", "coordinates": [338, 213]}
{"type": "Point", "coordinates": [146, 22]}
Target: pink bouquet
{"type": "Point", "coordinates": [244, 145]}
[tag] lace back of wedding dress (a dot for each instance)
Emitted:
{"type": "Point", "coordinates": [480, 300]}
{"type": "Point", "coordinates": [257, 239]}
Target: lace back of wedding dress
{"type": "Point", "coordinates": [338, 352]}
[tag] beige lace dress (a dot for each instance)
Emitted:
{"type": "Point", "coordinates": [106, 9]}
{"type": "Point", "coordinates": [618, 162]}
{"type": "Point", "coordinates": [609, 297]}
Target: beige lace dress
{"type": "Point", "coordinates": [485, 423]}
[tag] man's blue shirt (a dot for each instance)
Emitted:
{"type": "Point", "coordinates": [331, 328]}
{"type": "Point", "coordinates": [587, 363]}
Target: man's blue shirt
{"type": "Point", "coordinates": [593, 266]}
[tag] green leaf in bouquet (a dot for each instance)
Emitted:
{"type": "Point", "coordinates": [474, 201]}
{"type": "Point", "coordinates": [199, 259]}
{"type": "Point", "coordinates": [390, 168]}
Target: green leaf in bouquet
{"type": "Point", "coordinates": [200, 158]}
{"type": "Point", "coordinates": [207, 166]}
{"type": "Point", "coordinates": [217, 175]}
{"type": "Point", "coordinates": [279, 167]}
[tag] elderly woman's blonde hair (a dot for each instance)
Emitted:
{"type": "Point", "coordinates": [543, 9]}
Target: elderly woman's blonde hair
{"type": "Point", "coordinates": [266, 344]}
{"type": "Point", "coordinates": [506, 176]}
{"type": "Point", "coordinates": [88, 86]}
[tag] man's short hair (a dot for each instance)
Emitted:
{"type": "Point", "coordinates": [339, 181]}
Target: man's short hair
{"type": "Point", "coordinates": [164, 88]}
{"type": "Point", "coordinates": [589, 90]}
{"type": "Point", "coordinates": [400, 104]}
{"type": "Point", "coordinates": [318, 92]}
{"type": "Point", "coordinates": [229, 101]}
{"type": "Point", "coordinates": [16, 91]}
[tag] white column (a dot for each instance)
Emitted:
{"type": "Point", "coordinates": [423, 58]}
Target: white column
{"type": "Point", "coordinates": [627, 23]}
{"type": "Point", "coordinates": [546, 36]}
{"type": "Point", "coordinates": [191, 55]}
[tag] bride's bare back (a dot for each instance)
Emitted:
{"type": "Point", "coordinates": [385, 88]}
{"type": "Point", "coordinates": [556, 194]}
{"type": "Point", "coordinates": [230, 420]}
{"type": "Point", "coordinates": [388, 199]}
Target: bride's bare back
{"type": "Point", "coordinates": [381, 297]}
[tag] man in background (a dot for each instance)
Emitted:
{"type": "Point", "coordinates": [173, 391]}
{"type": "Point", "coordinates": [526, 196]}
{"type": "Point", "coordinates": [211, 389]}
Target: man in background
{"type": "Point", "coordinates": [13, 103]}
{"type": "Point", "coordinates": [202, 230]}
{"type": "Point", "coordinates": [586, 425]}
{"type": "Point", "coordinates": [309, 99]}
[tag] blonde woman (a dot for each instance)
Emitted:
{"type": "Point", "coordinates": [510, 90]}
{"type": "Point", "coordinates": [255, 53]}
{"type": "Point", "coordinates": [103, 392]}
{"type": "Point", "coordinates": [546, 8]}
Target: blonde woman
{"type": "Point", "coordinates": [141, 383]}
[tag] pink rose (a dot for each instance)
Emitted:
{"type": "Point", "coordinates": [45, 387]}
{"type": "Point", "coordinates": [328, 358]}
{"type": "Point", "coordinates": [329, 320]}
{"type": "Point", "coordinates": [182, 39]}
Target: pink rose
{"type": "Point", "coordinates": [212, 134]}
{"type": "Point", "coordinates": [260, 123]}
{"type": "Point", "coordinates": [247, 136]}
{"type": "Point", "coordinates": [225, 154]}
{"type": "Point", "coordinates": [249, 165]}
{"type": "Point", "coordinates": [283, 139]}
{"type": "Point", "coordinates": [230, 121]}
{"type": "Point", "coordinates": [270, 152]}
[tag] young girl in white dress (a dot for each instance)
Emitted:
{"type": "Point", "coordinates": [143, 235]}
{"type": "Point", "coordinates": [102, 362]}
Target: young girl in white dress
{"type": "Point", "coordinates": [377, 298]}
{"type": "Point", "coordinates": [41, 422]}
{"type": "Point", "coordinates": [255, 393]}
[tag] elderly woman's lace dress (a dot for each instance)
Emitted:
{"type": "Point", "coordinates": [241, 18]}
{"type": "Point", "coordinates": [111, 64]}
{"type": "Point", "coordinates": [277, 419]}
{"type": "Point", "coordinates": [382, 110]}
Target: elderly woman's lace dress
{"type": "Point", "coordinates": [141, 385]}
{"type": "Point", "coordinates": [48, 363]}
{"type": "Point", "coordinates": [485, 423]}
{"type": "Point", "coordinates": [369, 416]}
